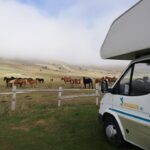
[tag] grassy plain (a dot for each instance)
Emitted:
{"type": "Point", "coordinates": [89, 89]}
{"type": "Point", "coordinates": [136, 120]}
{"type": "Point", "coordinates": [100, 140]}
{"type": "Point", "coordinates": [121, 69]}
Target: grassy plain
{"type": "Point", "coordinates": [37, 123]}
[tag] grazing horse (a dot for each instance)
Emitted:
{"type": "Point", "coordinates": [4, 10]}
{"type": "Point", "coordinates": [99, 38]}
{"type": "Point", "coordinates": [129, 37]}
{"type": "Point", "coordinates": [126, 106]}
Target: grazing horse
{"type": "Point", "coordinates": [113, 79]}
{"type": "Point", "coordinates": [40, 80]}
{"type": "Point", "coordinates": [88, 81]}
{"type": "Point", "coordinates": [7, 80]}
{"type": "Point", "coordinates": [18, 81]}
{"type": "Point", "coordinates": [66, 79]}
{"type": "Point", "coordinates": [32, 82]}
{"type": "Point", "coordinates": [99, 80]}
{"type": "Point", "coordinates": [75, 81]}
{"type": "Point", "coordinates": [110, 79]}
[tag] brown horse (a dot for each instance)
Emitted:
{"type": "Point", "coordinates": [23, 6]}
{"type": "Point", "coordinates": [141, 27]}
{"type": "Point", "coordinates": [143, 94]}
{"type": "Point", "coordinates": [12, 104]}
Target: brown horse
{"type": "Point", "coordinates": [110, 79]}
{"type": "Point", "coordinates": [113, 79]}
{"type": "Point", "coordinates": [75, 81]}
{"type": "Point", "coordinates": [99, 80]}
{"type": "Point", "coordinates": [66, 79]}
{"type": "Point", "coordinates": [18, 82]}
{"type": "Point", "coordinates": [32, 82]}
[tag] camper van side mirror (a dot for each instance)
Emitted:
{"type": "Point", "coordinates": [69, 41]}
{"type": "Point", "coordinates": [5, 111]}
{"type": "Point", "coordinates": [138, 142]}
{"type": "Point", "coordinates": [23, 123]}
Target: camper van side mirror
{"type": "Point", "coordinates": [104, 86]}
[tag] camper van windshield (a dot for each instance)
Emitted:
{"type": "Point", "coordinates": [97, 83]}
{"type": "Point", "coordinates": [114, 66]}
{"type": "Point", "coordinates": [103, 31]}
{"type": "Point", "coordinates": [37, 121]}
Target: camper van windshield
{"type": "Point", "coordinates": [136, 80]}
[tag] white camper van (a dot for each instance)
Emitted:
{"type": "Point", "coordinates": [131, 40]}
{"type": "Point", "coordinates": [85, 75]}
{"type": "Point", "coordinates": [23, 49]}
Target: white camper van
{"type": "Point", "coordinates": [125, 107]}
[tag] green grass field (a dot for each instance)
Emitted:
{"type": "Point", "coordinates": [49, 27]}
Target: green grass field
{"type": "Point", "coordinates": [38, 124]}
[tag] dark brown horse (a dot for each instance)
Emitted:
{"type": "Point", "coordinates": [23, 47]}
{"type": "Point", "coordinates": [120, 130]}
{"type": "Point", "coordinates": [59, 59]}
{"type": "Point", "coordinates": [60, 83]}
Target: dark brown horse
{"type": "Point", "coordinates": [87, 80]}
{"type": "Point", "coordinates": [40, 80]}
{"type": "Point", "coordinates": [8, 79]}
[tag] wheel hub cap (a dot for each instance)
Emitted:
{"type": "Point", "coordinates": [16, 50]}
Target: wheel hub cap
{"type": "Point", "coordinates": [111, 131]}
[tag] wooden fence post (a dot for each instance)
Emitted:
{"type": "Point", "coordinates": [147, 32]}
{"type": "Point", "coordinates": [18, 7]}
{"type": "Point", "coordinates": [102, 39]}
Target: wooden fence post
{"type": "Point", "coordinates": [13, 102]}
{"type": "Point", "coordinates": [96, 92]}
{"type": "Point", "coordinates": [59, 96]}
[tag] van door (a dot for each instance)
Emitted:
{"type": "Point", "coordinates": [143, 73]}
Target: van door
{"type": "Point", "coordinates": [131, 101]}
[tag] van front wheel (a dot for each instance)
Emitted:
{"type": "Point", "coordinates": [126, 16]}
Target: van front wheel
{"type": "Point", "coordinates": [112, 131]}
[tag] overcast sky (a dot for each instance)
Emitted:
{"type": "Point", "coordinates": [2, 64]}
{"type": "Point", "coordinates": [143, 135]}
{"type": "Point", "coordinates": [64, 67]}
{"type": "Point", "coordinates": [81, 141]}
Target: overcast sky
{"type": "Point", "coordinates": [66, 30]}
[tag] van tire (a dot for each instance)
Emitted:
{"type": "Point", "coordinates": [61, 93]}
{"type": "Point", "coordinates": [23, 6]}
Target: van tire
{"type": "Point", "coordinates": [112, 131]}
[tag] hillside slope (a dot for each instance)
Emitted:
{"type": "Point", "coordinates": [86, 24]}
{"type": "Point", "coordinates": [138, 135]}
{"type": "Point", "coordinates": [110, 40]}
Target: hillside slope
{"type": "Point", "coordinates": [20, 68]}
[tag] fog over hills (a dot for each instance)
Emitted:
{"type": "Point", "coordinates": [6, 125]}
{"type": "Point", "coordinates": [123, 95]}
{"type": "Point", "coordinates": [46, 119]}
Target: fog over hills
{"type": "Point", "coordinates": [114, 66]}
{"type": "Point", "coordinates": [74, 33]}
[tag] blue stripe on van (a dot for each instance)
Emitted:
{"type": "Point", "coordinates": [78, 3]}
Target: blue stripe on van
{"type": "Point", "coordinates": [130, 115]}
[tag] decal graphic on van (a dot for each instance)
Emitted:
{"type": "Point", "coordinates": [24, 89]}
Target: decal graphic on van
{"type": "Point", "coordinates": [121, 99]}
{"type": "Point", "coordinates": [128, 105]}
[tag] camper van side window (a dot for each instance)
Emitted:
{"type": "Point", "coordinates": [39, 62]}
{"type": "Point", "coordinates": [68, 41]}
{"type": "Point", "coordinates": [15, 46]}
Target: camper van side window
{"type": "Point", "coordinates": [140, 84]}
{"type": "Point", "coordinates": [124, 85]}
